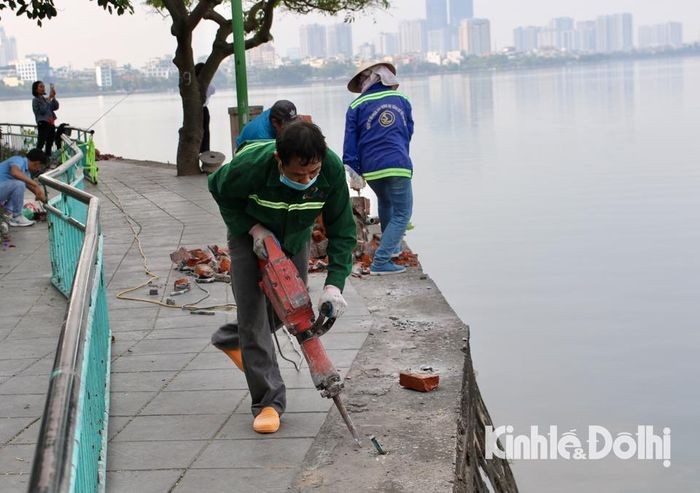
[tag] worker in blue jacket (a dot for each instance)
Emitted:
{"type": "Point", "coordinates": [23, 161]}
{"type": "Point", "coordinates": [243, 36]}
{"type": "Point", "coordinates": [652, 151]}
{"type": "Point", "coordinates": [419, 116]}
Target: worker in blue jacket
{"type": "Point", "coordinates": [267, 124]}
{"type": "Point", "coordinates": [378, 131]}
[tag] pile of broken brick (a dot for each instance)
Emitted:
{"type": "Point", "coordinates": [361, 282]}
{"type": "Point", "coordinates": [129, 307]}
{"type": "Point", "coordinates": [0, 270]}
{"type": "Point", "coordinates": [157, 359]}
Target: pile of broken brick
{"type": "Point", "coordinates": [213, 263]}
{"type": "Point", "coordinates": [368, 238]}
{"type": "Point", "coordinates": [207, 265]}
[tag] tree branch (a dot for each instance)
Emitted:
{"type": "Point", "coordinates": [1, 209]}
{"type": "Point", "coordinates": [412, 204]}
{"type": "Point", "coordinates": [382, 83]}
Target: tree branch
{"type": "Point", "coordinates": [200, 10]}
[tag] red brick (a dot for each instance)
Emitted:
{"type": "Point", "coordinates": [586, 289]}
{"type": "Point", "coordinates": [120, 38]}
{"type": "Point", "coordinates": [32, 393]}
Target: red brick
{"type": "Point", "coordinates": [422, 382]}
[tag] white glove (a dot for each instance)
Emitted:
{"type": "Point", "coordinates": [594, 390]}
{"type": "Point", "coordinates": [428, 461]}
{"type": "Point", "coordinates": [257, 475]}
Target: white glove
{"type": "Point", "coordinates": [331, 294]}
{"type": "Point", "coordinates": [259, 233]}
{"type": "Point", "coordinates": [356, 181]}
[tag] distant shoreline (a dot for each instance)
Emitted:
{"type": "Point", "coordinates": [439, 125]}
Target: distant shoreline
{"type": "Point", "coordinates": [492, 64]}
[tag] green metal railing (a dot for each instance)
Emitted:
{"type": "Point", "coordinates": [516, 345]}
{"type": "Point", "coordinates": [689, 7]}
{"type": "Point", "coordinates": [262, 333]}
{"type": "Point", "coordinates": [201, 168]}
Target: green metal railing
{"type": "Point", "coordinates": [72, 447]}
{"type": "Point", "coordinates": [19, 137]}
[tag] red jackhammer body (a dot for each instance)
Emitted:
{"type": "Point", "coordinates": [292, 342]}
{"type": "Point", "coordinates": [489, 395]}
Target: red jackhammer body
{"type": "Point", "coordinates": [290, 299]}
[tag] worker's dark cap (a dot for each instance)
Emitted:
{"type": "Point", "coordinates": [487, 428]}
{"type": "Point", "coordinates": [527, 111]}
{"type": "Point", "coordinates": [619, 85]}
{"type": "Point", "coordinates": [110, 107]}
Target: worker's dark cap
{"type": "Point", "coordinates": [284, 111]}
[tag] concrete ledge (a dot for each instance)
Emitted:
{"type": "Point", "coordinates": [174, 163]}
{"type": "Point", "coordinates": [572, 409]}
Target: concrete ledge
{"type": "Point", "coordinates": [412, 325]}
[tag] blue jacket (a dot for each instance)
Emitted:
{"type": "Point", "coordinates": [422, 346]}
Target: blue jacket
{"type": "Point", "coordinates": [259, 128]}
{"type": "Point", "coordinates": [378, 131]}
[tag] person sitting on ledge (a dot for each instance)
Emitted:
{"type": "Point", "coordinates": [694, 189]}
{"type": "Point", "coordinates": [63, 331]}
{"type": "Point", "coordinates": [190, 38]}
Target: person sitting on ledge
{"type": "Point", "coordinates": [15, 177]}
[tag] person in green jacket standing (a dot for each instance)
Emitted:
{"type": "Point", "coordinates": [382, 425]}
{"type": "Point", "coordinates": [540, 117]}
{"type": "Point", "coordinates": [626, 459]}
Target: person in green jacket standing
{"type": "Point", "coordinates": [279, 187]}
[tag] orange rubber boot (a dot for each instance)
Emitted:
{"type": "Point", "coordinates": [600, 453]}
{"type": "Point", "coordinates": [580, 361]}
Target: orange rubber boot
{"type": "Point", "coordinates": [236, 357]}
{"type": "Point", "coordinates": [268, 421]}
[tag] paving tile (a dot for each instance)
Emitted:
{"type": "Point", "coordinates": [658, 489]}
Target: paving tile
{"type": "Point", "coordinates": [11, 427]}
{"type": "Point", "coordinates": [297, 379]}
{"type": "Point", "coordinates": [30, 434]}
{"type": "Point", "coordinates": [128, 403]}
{"type": "Point", "coordinates": [10, 367]}
{"type": "Point", "coordinates": [143, 481]}
{"type": "Point", "coordinates": [184, 321]}
{"type": "Point", "coordinates": [292, 425]}
{"type": "Point", "coordinates": [27, 405]}
{"type": "Point", "coordinates": [167, 346]}
{"type": "Point", "coordinates": [179, 427]}
{"type": "Point", "coordinates": [200, 333]}
{"type": "Point", "coordinates": [27, 348]}
{"type": "Point", "coordinates": [266, 480]}
{"type": "Point", "coordinates": [342, 358]}
{"type": "Point", "coordinates": [298, 401]}
{"type": "Point", "coordinates": [140, 381]}
{"type": "Point", "coordinates": [273, 452]}
{"type": "Point", "coordinates": [116, 424]}
{"type": "Point", "coordinates": [342, 340]}
{"type": "Point", "coordinates": [40, 367]}
{"type": "Point", "coordinates": [25, 384]}
{"type": "Point", "coordinates": [225, 379]}
{"type": "Point", "coordinates": [16, 459]}
{"type": "Point", "coordinates": [210, 361]}
{"type": "Point", "coordinates": [144, 456]}
{"type": "Point", "coordinates": [151, 362]}
{"type": "Point", "coordinates": [14, 483]}
{"type": "Point", "coordinates": [195, 402]}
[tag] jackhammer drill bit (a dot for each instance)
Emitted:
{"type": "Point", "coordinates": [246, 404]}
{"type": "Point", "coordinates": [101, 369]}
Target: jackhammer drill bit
{"type": "Point", "coordinates": [346, 417]}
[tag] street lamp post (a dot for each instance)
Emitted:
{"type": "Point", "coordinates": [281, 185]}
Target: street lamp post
{"type": "Point", "coordinates": [239, 61]}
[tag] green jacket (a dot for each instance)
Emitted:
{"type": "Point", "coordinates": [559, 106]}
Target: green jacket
{"type": "Point", "coordinates": [248, 191]}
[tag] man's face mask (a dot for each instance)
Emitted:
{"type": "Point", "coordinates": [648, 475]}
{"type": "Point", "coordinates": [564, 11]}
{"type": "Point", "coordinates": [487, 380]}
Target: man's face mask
{"type": "Point", "coordinates": [295, 184]}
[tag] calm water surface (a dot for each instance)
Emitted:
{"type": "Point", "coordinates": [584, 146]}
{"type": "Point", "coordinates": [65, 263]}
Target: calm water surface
{"type": "Point", "coordinates": [559, 212]}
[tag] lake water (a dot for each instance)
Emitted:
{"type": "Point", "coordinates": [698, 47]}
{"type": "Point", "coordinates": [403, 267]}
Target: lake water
{"type": "Point", "coordinates": [559, 212]}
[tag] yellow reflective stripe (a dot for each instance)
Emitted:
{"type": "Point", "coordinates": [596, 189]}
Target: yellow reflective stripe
{"type": "Point", "coordinates": [267, 203]}
{"type": "Point", "coordinates": [283, 205]}
{"type": "Point", "coordinates": [376, 95]}
{"type": "Point", "coordinates": [254, 145]}
{"type": "Point", "coordinates": [385, 173]}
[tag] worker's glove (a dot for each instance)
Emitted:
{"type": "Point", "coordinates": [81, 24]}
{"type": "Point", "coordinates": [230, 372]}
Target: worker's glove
{"type": "Point", "coordinates": [259, 233]}
{"type": "Point", "coordinates": [332, 296]}
{"type": "Point", "coordinates": [356, 181]}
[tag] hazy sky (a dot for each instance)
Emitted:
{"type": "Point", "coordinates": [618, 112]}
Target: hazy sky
{"type": "Point", "coordinates": [83, 32]}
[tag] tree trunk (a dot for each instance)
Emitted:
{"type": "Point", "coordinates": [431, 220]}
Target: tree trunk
{"type": "Point", "coordinates": [190, 134]}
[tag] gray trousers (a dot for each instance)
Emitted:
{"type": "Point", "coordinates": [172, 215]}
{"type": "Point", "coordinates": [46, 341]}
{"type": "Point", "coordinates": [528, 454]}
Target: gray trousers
{"type": "Point", "coordinates": [253, 333]}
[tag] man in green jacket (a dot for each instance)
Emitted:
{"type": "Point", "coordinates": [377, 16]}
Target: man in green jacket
{"type": "Point", "coordinates": [279, 188]}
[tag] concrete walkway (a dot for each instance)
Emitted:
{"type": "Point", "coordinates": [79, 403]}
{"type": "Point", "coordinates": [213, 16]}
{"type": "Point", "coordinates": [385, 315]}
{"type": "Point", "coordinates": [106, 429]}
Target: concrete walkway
{"type": "Point", "coordinates": [180, 411]}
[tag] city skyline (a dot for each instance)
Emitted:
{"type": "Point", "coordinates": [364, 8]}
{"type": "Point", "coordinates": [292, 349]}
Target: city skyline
{"type": "Point", "coordinates": [70, 25]}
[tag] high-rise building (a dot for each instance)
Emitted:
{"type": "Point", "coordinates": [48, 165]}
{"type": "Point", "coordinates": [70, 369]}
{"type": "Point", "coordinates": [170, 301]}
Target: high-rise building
{"type": "Point", "coordinates": [558, 34]}
{"type": "Point", "coordinates": [8, 49]}
{"type": "Point", "coordinates": [388, 44]}
{"type": "Point", "coordinates": [34, 67]}
{"type": "Point", "coordinates": [312, 39]}
{"type": "Point", "coordinates": [669, 34]}
{"type": "Point", "coordinates": [412, 37]}
{"type": "Point", "coordinates": [475, 36]}
{"type": "Point", "coordinates": [436, 29]}
{"type": "Point", "coordinates": [339, 40]}
{"type": "Point", "coordinates": [525, 38]}
{"type": "Point", "coordinates": [103, 72]}
{"type": "Point", "coordinates": [585, 36]}
{"type": "Point", "coordinates": [263, 55]}
{"type": "Point", "coordinates": [460, 10]}
{"type": "Point", "coordinates": [614, 33]}
{"type": "Point", "coordinates": [435, 14]}
{"type": "Point", "coordinates": [438, 41]}
{"type": "Point", "coordinates": [366, 51]}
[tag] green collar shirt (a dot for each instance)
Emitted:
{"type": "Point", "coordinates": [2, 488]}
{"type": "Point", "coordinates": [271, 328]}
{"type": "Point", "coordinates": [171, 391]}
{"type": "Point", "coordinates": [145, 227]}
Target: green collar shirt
{"type": "Point", "coordinates": [248, 191]}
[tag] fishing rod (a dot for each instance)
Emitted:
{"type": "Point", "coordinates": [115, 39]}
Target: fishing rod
{"type": "Point", "coordinates": [110, 109]}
